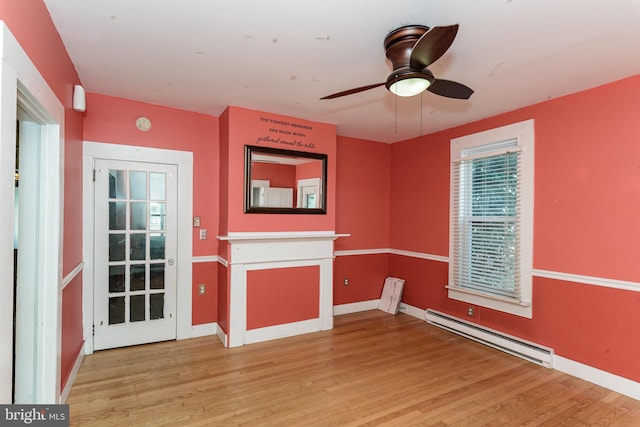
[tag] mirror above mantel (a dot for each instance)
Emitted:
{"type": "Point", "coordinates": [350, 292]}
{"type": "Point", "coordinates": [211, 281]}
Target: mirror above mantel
{"type": "Point", "coordinates": [279, 181]}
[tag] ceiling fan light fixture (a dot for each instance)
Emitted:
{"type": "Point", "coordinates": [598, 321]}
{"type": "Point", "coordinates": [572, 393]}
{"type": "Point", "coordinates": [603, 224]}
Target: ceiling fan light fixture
{"type": "Point", "coordinates": [410, 87]}
{"type": "Point", "coordinates": [409, 82]}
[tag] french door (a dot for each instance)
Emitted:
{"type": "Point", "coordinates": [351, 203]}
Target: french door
{"type": "Point", "coordinates": [135, 206]}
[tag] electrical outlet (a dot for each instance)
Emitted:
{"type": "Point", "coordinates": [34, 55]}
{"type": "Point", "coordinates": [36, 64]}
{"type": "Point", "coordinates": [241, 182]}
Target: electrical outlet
{"type": "Point", "coordinates": [470, 311]}
{"type": "Point", "coordinates": [202, 289]}
{"type": "Point", "coordinates": [203, 234]}
{"type": "Point", "coordinates": [346, 281]}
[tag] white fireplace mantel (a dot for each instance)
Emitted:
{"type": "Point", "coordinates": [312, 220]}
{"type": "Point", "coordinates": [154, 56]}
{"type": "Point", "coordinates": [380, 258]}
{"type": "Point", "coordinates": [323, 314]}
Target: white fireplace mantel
{"type": "Point", "coordinates": [267, 250]}
{"type": "Point", "coordinates": [237, 237]}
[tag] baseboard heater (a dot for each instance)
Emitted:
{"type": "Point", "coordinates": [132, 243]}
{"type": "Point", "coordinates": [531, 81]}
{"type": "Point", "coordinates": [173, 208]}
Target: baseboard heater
{"type": "Point", "coordinates": [513, 345]}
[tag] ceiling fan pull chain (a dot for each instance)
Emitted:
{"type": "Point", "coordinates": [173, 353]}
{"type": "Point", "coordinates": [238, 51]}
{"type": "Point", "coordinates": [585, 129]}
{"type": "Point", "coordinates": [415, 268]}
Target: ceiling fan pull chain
{"type": "Point", "coordinates": [395, 122]}
{"type": "Point", "coordinates": [421, 113]}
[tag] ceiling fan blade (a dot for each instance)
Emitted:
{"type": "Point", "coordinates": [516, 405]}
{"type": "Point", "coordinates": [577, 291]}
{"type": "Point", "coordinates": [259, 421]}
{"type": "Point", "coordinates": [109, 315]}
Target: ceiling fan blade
{"type": "Point", "coordinates": [450, 89]}
{"type": "Point", "coordinates": [352, 91]}
{"type": "Point", "coordinates": [432, 45]}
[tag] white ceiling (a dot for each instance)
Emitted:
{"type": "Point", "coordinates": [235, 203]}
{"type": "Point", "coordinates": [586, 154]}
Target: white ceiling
{"type": "Point", "coordinates": [281, 56]}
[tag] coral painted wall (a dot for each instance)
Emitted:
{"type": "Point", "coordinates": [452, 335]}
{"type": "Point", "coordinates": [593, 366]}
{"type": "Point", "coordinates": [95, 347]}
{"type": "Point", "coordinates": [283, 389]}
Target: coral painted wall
{"type": "Point", "coordinates": [362, 203]}
{"type": "Point", "coordinates": [587, 195]}
{"type": "Point", "coordinates": [251, 127]}
{"type": "Point", "coordinates": [205, 307]}
{"type": "Point", "coordinates": [112, 120]}
{"type": "Point", "coordinates": [72, 338]}
{"type": "Point", "coordinates": [365, 274]}
{"type": "Point", "coordinates": [282, 295]}
{"type": "Point", "coordinates": [279, 175]}
{"type": "Point", "coordinates": [31, 25]}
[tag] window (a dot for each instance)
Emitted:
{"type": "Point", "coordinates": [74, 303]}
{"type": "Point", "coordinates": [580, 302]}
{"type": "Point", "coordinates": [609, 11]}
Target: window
{"type": "Point", "coordinates": [491, 224]}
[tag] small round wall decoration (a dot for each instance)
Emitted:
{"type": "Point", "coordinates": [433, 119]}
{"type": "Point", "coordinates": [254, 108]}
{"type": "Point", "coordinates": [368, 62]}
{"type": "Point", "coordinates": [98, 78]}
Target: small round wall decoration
{"type": "Point", "coordinates": [143, 124]}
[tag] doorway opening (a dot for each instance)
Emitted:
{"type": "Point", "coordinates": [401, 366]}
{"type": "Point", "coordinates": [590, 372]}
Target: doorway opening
{"type": "Point", "coordinates": [24, 90]}
{"type": "Point", "coordinates": [28, 216]}
{"type": "Point", "coordinates": [15, 256]}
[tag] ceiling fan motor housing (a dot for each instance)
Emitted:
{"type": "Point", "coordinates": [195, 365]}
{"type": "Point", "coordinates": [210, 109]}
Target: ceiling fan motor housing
{"type": "Point", "coordinates": [399, 43]}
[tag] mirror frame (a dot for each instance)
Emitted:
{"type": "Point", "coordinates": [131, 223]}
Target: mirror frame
{"type": "Point", "coordinates": [250, 149]}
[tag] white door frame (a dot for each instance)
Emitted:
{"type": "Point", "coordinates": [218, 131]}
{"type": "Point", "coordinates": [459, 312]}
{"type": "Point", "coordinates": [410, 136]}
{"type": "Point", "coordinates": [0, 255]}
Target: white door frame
{"type": "Point", "coordinates": [184, 161]}
{"type": "Point", "coordinates": [22, 84]}
{"type": "Point", "coordinates": [309, 182]}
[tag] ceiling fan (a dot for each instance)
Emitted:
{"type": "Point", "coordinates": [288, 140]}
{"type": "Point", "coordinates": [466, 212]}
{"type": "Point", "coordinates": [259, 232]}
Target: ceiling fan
{"type": "Point", "coordinates": [411, 49]}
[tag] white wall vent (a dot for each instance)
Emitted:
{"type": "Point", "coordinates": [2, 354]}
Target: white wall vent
{"type": "Point", "coordinates": [513, 345]}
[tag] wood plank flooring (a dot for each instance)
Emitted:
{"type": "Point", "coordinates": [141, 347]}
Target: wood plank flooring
{"type": "Point", "coordinates": [372, 369]}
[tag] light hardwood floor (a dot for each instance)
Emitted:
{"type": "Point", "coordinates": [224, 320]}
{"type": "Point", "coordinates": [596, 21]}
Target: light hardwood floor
{"type": "Point", "coordinates": [371, 369]}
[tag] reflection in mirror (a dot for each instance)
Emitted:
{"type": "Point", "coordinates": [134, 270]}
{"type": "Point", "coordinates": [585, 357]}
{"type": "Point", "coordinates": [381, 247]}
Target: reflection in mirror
{"type": "Point", "coordinates": [284, 181]}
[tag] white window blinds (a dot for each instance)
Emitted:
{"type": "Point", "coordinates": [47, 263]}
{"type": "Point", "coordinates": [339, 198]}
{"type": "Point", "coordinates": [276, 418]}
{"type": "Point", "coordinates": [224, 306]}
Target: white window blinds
{"type": "Point", "coordinates": [486, 222]}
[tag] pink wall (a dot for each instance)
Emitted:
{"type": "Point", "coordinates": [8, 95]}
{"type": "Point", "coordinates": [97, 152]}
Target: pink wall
{"type": "Point", "coordinates": [587, 195]}
{"type": "Point", "coordinates": [282, 295]}
{"type": "Point", "coordinates": [309, 170]}
{"type": "Point", "coordinates": [366, 274]}
{"type": "Point", "coordinates": [205, 307]}
{"type": "Point", "coordinates": [280, 175]}
{"type": "Point", "coordinates": [223, 205]}
{"type": "Point", "coordinates": [363, 193]}
{"type": "Point", "coordinates": [251, 127]}
{"type": "Point", "coordinates": [419, 202]}
{"type": "Point", "coordinates": [223, 298]}
{"type": "Point", "coordinates": [112, 120]}
{"type": "Point", "coordinates": [362, 203]}
{"type": "Point", "coordinates": [72, 339]}
{"type": "Point", "coordinates": [30, 23]}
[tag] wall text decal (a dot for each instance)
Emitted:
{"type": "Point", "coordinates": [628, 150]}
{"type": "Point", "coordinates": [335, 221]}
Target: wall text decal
{"type": "Point", "coordinates": [286, 133]}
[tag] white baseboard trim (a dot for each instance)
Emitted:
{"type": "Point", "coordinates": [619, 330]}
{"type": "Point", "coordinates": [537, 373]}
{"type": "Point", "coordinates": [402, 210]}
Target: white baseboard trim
{"type": "Point", "coordinates": [64, 394]}
{"type": "Point", "coordinates": [596, 376]}
{"type": "Point", "coordinates": [204, 330]}
{"type": "Point", "coordinates": [282, 331]}
{"type": "Point", "coordinates": [355, 307]}
{"type": "Point", "coordinates": [224, 339]}
{"type": "Point", "coordinates": [416, 312]}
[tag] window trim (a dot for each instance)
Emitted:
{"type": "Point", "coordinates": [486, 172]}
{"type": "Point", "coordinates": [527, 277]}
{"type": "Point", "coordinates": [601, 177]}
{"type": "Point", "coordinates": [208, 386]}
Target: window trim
{"type": "Point", "coordinates": [523, 133]}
